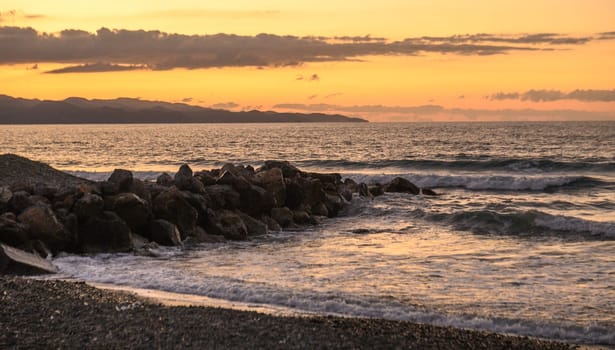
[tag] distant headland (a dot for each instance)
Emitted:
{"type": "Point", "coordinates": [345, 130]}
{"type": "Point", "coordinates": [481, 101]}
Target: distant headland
{"type": "Point", "coordinates": [76, 110]}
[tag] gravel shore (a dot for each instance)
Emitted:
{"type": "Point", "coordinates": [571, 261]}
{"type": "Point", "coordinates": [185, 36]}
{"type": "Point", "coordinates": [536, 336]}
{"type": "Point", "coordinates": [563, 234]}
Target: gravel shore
{"type": "Point", "coordinates": [37, 314]}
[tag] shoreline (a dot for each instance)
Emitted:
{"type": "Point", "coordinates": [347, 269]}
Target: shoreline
{"type": "Point", "coordinates": [55, 313]}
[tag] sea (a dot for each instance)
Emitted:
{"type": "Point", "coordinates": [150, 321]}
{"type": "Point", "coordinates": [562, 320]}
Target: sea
{"type": "Point", "coordinates": [521, 239]}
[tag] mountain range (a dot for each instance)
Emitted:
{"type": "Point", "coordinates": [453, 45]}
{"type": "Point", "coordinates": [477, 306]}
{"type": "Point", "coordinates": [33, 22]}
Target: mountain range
{"type": "Point", "coordinates": [77, 110]}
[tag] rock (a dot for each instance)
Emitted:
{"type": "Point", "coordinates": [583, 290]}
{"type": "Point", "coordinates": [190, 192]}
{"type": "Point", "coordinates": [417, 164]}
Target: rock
{"type": "Point", "coordinates": [364, 191]}
{"type": "Point", "coordinates": [206, 178]}
{"type": "Point", "coordinates": [165, 180]}
{"type": "Point", "coordinates": [254, 226]}
{"type": "Point", "coordinates": [304, 193]}
{"type": "Point", "coordinates": [256, 201]}
{"type": "Point", "coordinates": [16, 261]}
{"type": "Point", "coordinates": [288, 170]}
{"type": "Point", "coordinates": [229, 167]}
{"type": "Point", "coordinates": [44, 190]}
{"type": "Point", "coordinates": [228, 224]}
{"type": "Point", "coordinates": [142, 246]}
{"type": "Point", "coordinates": [164, 233]}
{"type": "Point", "coordinates": [223, 197]}
{"type": "Point", "coordinates": [43, 224]}
{"type": "Point", "coordinates": [301, 217]}
{"type": "Point", "coordinates": [320, 209]}
{"type": "Point", "coordinates": [20, 201]}
{"type": "Point", "coordinates": [104, 234]}
{"type": "Point", "coordinates": [132, 209]}
{"type": "Point", "coordinates": [123, 178]}
{"type": "Point", "coordinates": [226, 178]}
{"type": "Point", "coordinates": [186, 182]}
{"type": "Point", "coordinates": [428, 192]}
{"type": "Point", "coordinates": [5, 198]}
{"type": "Point", "coordinates": [139, 188]}
{"type": "Point", "coordinates": [334, 204]}
{"type": "Point", "coordinates": [108, 188]}
{"type": "Point", "coordinates": [89, 205]}
{"type": "Point", "coordinates": [376, 190]}
{"type": "Point", "coordinates": [172, 206]}
{"type": "Point", "coordinates": [332, 178]}
{"type": "Point", "coordinates": [346, 193]}
{"type": "Point", "coordinates": [201, 236]}
{"type": "Point", "coordinates": [198, 202]}
{"type": "Point", "coordinates": [399, 184]}
{"type": "Point", "coordinates": [273, 181]}
{"type": "Point", "coordinates": [12, 232]}
{"type": "Point", "coordinates": [351, 185]}
{"type": "Point", "coordinates": [283, 216]}
{"type": "Point", "coordinates": [272, 225]}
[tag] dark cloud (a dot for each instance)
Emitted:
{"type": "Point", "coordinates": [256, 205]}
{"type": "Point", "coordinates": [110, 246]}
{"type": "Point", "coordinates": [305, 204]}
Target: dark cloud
{"type": "Point", "coordinates": [96, 67]}
{"type": "Point", "coordinates": [427, 112]}
{"type": "Point", "coordinates": [187, 99]}
{"type": "Point", "coordinates": [531, 39]}
{"type": "Point", "coordinates": [16, 15]}
{"type": "Point", "coordinates": [556, 95]}
{"type": "Point", "coordinates": [159, 50]}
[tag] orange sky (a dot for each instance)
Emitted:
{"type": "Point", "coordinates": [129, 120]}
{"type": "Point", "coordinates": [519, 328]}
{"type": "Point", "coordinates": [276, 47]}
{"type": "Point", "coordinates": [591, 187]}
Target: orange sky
{"type": "Point", "coordinates": [384, 79]}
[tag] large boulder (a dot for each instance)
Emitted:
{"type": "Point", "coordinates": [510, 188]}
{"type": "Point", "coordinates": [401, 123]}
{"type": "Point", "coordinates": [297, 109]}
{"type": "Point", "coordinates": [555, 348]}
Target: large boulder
{"type": "Point", "coordinates": [334, 204]}
{"type": "Point", "coordinates": [5, 198]}
{"type": "Point", "coordinates": [44, 190]}
{"type": "Point", "coordinates": [272, 180]}
{"type": "Point", "coordinates": [304, 193]}
{"type": "Point", "coordinates": [164, 233]}
{"type": "Point", "coordinates": [165, 180]}
{"type": "Point", "coordinates": [123, 178]}
{"type": "Point", "coordinates": [185, 181]}
{"type": "Point", "coordinates": [223, 197]}
{"type": "Point", "coordinates": [44, 225]}
{"type": "Point", "coordinates": [198, 202]}
{"type": "Point", "coordinates": [20, 201]}
{"type": "Point", "coordinates": [283, 216]}
{"type": "Point", "coordinates": [134, 210]}
{"type": "Point", "coordinates": [399, 184]}
{"type": "Point", "coordinates": [172, 206]}
{"type": "Point", "coordinates": [288, 170]}
{"type": "Point", "coordinates": [12, 232]}
{"type": "Point", "coordinates": [256, 200]}
{"type": "Point", "coordinates": [228, 224]}
{"type": "Point", "coordinates": [105, 233]}
{"type": "Point", "coordinates": [89, 205]}
{"type": "Point", "coordinates": [254, 226]}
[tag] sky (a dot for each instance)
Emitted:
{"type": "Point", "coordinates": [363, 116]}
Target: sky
{"type": "Point", "coordinates": [390, 60]}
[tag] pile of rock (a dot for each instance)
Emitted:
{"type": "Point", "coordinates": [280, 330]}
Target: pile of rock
{"type": "Point", "coordinates": [125, 213]}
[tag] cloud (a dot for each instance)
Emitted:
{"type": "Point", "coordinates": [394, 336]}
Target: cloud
{"type": "Point", "coordinates": [436, 112]}
{"type": "Point", "coordinates": [16, 15]}
{"type": "Point", "coordinates": [556, 95]}
{"type": "Point", "coordinates": [96, 68]}
{"type": "Point", "coordinates": [161, 51]}
{"type": "Point", "coordinates": [313, 77]}
{"type": "Point", "coordinates": [187, 99]}
{"type": "Point", "coordinates": [533, 39]}
{"type": "Point", "coordinates": [225, 105]}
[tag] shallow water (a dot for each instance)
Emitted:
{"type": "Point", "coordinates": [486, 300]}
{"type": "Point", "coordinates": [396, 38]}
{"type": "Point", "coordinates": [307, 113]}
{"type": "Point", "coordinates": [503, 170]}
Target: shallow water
{"type": "Point", "coordinates": [520, 241]}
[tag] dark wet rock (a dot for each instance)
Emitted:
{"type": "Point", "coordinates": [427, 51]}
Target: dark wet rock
{"type": "Point", "coordinates": [363, 190]}
{"type": "Point", "coordinates": [198, 202]}
{"type": "Point", "coordinates": [206, 178]}
{"type": "Point", "coordinates": [288, 170]}
{"type": "Point", "coordinates": [283, 216]}
{"type": "Point", "coordinates": [139, 188]}
{"type": "Point", "coordinates": [304, 193]}
{"type": "Point", "coordinates": [44, 225]}
{"type": "Point", "coordinates": [301, 217]}
{"type": "Point", "coordinates": [351, 185]}
{"type": "Point", "coordinates": [44, 190]}
{"type": "Point", "coordinates": [39, 247]}
{"type": "Point", "coordinates": [17, 261]}
{"type": "Point", "coordinates": [254, 226]}
{"type": "Point", "coordinates": [346, 193]}
{"type": "Point", "coordinates": [320, 209]}
{"type": "Point", "coordinates": [228, 224]}
{"type": "Point", "coordinates": [428, 192]}
{"type": "Point", "coordinates": [186, 182]}
{"type": "Point", "coordinates": [12, 232]}
{"type": "Point", "coordinates": [256, 200]}
{"type": "Point", "coordinates": [20, 201]}
{"type": "Point", "coordinates": [164, 232]}
{"type": "Point", "coordinates": [399, 184]}
{"type": "Point", "coordinates": [172, 206]}
{"type": "Point", "coordinates": [332, 178]}
{"type": "Point", "coordinates": [154, 189]}
{"type": "Point", "coordinates": [108, 188]}
{"type": "Point", "coordinates": [123, 178]}
{"type": "Point", "coordinates": [5, 198]}
{"type": "Point", "coordinates": [223, 197]}
{"type": "Point", "coordinates": [272, 225]}
{"type": "Point", "coordinates": [165, 180]}
{"type": "Point", "coordinates": [89, 205]}
{"type": "Point", "coordinates": [202, 236]}
{"type": "Point", "coordinates": [104, 233]}
{"type": "Point", "coordinates": [334, 204]}
{"type": "Point", "coordinates": [376, 190]}
{"type": "Point", "coordinates": [272, 180]}
{"type": "Point", "coordinates": [134, 210]}
{"type": "Point", "coordinates": [226, 178]}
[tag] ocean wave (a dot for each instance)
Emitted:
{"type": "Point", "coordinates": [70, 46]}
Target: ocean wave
{"type": "Point", "coordinates": [522, 223]}
{"type": "Point", "coordinates": [488, 182]}
{"type": "Point", "coordinates": [129, 271]}
{"type": "Point", "coordinates": [508, 164]}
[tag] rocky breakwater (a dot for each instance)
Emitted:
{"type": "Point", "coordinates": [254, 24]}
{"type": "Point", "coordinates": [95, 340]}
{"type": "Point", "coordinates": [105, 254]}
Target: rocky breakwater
{"type": "Point", "coordinates": [67, 214]}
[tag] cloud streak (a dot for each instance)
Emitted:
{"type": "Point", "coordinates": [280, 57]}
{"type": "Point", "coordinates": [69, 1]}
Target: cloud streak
{"type": "Point", "coordinates": [161, 51]}
{"type": "Point", "coordinates": [96, 68]}
{"type": "Point", "coordinates": [557, 95]}
{"type": "Point", "coordinates": [436, 112]}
